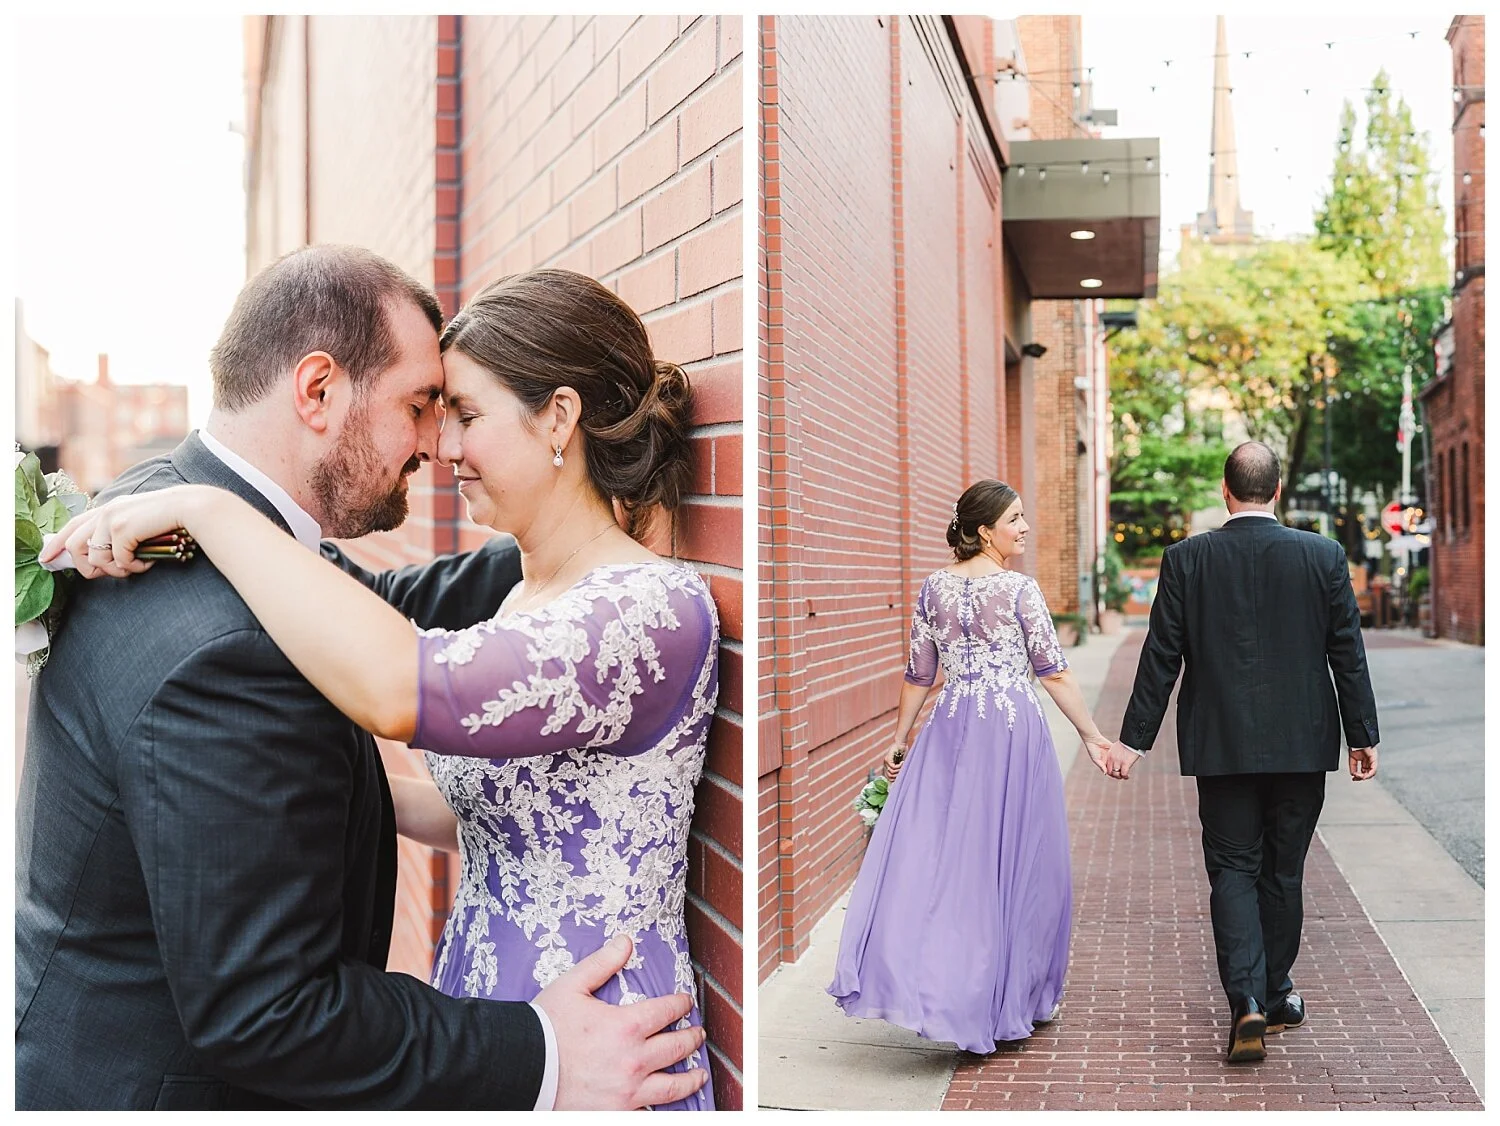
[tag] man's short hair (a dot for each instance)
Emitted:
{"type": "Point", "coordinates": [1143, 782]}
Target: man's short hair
{"type": "Point", "coordinates": [333, 299]}
{"type": "Point", "coordinates": [1252, 472]}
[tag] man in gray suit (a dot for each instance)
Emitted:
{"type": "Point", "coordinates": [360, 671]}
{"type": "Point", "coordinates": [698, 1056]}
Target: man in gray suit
{"type": "Point", "coordinates": [206, 852]}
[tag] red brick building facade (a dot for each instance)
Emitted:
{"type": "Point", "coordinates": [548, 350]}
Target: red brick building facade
{"type": "Point", "coordinates": [896, 366]}
{"type": "Point", "coordinates": [92, 431]}
{"type": "Point", "coordinates": [467, 148]}
{"type": "Point", "coordinates": [1454, 400]}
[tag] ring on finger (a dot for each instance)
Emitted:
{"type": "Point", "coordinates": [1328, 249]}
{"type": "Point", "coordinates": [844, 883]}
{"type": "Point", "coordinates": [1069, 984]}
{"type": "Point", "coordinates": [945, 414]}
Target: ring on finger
{"type": "Point", "coordinates": [100, 546]}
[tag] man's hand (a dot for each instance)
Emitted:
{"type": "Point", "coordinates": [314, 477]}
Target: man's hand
{"type": "Point", "coordinates": [1362, 762]}
{"type": "Point", "coordinates": [610, 1057]}
{"type": "Point", "coordinates": [1118, 760]}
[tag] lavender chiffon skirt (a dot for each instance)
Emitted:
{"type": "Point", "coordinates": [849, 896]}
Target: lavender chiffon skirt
{"type": "Point", "coordinates": [958, 924]}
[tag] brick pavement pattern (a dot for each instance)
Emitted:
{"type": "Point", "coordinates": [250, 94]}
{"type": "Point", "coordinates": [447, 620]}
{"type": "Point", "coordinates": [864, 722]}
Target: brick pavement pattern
{"type": "Point", "coordinates": [1143, 1023]}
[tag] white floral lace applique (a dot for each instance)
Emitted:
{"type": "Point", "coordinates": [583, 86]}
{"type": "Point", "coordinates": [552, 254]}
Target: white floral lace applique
{"type": "Point", "coordinates": [623, 818]}
{"type": "Point", "coordinates": [983, 647]}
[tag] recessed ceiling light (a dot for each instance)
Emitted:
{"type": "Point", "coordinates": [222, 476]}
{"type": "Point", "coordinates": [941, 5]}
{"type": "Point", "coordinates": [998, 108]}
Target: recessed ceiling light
{"type": "Point", "coordinates": [1091, 283]}
{"type": "Point", "coordinates": [1082, 236]}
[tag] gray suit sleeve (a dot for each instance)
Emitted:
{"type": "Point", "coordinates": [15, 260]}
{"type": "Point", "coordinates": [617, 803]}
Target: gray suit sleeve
{"type": "Point", "coordinates": [449, 592]}
{"type": "Point", "coordinates": [1161, 658]}
{"type": "Point", "coordinates": [1346, 658]}
{"type": "Point", "coordinates": [236, 785]}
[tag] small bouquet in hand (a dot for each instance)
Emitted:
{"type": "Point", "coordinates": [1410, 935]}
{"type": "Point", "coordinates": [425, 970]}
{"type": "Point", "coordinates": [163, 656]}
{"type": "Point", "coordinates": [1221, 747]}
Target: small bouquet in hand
{"type": "Point", "coordinates": [44, 503]}
{"type": "Point", "coordinates": [871, 800]}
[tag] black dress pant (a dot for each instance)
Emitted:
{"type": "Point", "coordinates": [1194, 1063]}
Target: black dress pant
{"type": "Point", "coordinates": [1256, 833]}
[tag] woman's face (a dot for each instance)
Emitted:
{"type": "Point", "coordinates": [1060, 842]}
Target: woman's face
{"type": "Point", "coordinates": [1008, 534]}
{"type": "Point", "coordinates": [502, 460]}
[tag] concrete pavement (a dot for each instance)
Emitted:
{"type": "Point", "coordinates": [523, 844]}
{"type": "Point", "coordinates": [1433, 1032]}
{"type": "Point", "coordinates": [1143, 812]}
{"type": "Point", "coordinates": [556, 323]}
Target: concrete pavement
{"type": "Point", "coordinates": [1411, 842]}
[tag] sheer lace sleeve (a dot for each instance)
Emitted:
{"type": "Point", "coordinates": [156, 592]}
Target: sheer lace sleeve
{"type": "Point", "coordinates": [1042, 647]}
{"type": "Point", "coordinates": [614, 663]}
{"type": "Point", "coordinates": [922, 654]}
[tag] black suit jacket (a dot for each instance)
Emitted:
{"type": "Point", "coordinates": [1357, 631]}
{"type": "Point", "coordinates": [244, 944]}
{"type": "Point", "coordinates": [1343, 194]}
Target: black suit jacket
{"type": "Point", "coordinates": [206, 861]}
{"type": "Point", "coordinates": [1256, 615]}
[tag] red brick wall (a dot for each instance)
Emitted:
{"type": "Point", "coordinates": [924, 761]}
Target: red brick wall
{"type": "Point", "coordinates": [1053, 503]}
{"type": "Point", "coordinates": [1059, 484]}
{"type": "Point", "coordinates": [881, 320]}
{"type": "Point", "coordinates": [1455, 407]}
{"type": "Point", "coordinates": [611, 146]}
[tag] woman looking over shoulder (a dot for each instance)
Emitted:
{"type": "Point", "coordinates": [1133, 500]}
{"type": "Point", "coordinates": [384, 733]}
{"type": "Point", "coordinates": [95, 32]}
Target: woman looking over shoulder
{"type": "Point", "coordinates": [959, 921]}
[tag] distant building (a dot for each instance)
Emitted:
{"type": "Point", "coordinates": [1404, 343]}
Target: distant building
{"type": "Point", "coordinates": [37, 426]}
{"type": "Point", "coordinates": [1224, 221]}
{"type": "Point", "coordinates": [92, 431]}
{"type": "Point", "coordinates": [1454, 399]}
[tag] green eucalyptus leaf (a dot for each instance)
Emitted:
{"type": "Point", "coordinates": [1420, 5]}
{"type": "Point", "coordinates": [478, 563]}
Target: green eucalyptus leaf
{"type": "Point", "coordinates": [31, 466]}
{"type": "Point", "coordinates": [52, 515]}
{"type": "Point", "coordinates": [25, 494]}
{"type": "Point", "coordinates": [28, 541]}
{"type": "Point", "coordinates": [73, 502]}
{"type": "Point", "coordinates": [34, 586]}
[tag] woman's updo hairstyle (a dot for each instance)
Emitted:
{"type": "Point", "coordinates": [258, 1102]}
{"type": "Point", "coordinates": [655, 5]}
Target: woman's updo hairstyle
{"type": "Point", "coordinates": [546, 329]}
{"type": "Point", "coordinates": [981, 506]}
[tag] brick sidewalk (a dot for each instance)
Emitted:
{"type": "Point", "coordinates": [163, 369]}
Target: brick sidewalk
{"type": "Point", "coordinates": [1144, 1021]}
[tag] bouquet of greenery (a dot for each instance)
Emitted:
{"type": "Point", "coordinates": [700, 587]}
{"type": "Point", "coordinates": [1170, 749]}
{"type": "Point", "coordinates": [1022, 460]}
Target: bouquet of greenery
{"type": "Point", "coordinates": [44, 503]}
{"type": "Point", "coordinates": [871, 800]}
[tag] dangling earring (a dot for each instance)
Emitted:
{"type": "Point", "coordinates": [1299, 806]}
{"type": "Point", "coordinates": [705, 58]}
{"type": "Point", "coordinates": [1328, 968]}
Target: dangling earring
{"type": "Point", "coordinates": [557, 458]}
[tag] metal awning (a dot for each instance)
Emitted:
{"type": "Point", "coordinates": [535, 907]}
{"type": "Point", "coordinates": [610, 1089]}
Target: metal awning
{"type": "Point", "coordinates": [1084, 211]}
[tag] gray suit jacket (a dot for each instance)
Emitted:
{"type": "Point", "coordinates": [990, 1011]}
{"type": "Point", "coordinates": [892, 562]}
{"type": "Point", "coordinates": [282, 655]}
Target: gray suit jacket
{"type": "Point", "coordinates": [1261, 619]}
{"type": "Point", "coordinates": [206, 861]}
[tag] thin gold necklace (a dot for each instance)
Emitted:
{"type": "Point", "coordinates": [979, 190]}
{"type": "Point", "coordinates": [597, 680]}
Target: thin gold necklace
{"type": "Point", "coordinates": [543, 585]}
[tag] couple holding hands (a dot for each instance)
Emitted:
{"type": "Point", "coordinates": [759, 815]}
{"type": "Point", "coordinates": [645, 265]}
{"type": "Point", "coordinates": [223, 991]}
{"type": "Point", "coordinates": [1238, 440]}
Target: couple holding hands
{"type": "Point", "coordinates": [958, 925]}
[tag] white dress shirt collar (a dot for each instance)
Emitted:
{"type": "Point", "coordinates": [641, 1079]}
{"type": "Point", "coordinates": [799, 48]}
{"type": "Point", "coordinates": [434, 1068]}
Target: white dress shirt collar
{"type": "Point", "coordinates": [1249, 512]}
{"type": "Point", "coordinates": [303, 526]}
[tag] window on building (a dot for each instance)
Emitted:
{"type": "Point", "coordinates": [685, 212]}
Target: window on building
{"type": "Point", "coordinates": [1442, 501]}
{"type": "Point", "coordinates": [1465, 485]}
{"type": "Point", "coordinates": [1452, 491]}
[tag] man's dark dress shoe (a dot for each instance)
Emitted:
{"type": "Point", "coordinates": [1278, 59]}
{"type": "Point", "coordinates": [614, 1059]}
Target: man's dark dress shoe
{"type": "Point", "coordinates": [1247, 1032]}
{"type": "Point", "coordinates": [1291, 1013]}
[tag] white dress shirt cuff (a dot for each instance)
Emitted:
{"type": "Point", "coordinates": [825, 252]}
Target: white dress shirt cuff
{"type": "Point", "coordinates": [547, 1096]}
{"type": "Point", "coordinates": [1132, 750]}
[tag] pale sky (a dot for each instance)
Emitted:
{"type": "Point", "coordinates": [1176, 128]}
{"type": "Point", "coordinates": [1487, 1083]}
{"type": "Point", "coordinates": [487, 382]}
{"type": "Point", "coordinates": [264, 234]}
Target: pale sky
{"type": "Point", "coordinates": [1285, 138]}
{"type": "Point", "coordinates": [128, 192]}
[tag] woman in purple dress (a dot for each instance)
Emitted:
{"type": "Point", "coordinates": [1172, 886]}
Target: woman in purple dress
{"type": "Point", "coordinates": [958, 924]}
{"type": "Point", "coordinates": [566, 731]}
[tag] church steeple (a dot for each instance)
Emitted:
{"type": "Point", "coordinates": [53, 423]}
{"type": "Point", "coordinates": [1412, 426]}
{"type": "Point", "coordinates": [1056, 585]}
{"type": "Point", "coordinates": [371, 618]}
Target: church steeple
{"type": "Point", "coordinates": [1224, 221]}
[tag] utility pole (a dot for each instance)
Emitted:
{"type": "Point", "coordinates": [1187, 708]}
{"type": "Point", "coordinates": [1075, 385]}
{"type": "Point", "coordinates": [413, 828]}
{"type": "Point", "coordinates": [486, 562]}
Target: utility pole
{"type": "Point", "coordinates": [1328, 526]}
{"type": "Point", "coordinates": [1407, 427]}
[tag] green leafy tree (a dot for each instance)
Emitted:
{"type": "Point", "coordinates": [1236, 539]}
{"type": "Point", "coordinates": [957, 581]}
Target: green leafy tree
{"type": "Point", "coordinates": [1382, 208]}
{"type": "Point", "coordinates": [1366, 408]}
{"type": "Point", "coordinates": [1247, 331]}
{"type": "Point", "coordinates": [1382, 214]}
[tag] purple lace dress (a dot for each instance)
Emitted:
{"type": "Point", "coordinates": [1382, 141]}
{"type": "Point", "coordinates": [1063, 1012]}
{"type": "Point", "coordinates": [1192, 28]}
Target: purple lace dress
{"type": "Point", "coordinates": [568, 741]}
{"type": "Point", "coordinates": [958, 924]}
